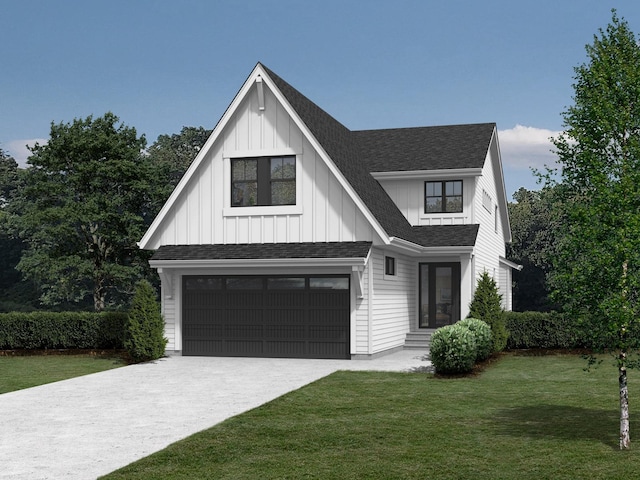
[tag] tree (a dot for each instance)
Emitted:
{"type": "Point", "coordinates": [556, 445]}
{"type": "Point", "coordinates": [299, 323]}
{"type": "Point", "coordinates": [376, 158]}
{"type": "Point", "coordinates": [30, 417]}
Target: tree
{"type": "Point", "coordinates": [487, 306]}
{"type": "Point", "coordinates": [596, 268]}
{"type": "Point", "coordinates": [535, 217]}
{"type": "Point", "coordinates": [172, 154]}
{"type": "Point", "coordinates": [83, 206]}
{"type": "Point", "coordinates": [10, 246]}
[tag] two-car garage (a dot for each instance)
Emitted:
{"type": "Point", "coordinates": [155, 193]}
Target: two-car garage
{"type": "Point", "coordinates": [266, 316]}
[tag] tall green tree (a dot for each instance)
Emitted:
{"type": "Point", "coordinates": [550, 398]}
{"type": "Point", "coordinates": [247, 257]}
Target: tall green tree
{"type": "Point", "coordinates": [596, 269]}
{"type": "Point", "coordinates": [10, 246]}
{"type": "Point", "coordinates": [83, 206]}
{"type": "Point", "coordinates": [172, 154]}
{"type": "Point", "coordinates": [535, 217]}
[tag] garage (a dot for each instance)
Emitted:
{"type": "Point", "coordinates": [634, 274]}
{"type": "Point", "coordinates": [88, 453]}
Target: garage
{"type": "Point", "coordinates": [266, 316]}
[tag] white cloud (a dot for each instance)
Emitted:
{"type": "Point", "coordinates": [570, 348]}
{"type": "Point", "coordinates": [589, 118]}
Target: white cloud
{"type": "Point", "coordinates": [525, 147]}
{"type": "Point", "coordinates": [19, 151]}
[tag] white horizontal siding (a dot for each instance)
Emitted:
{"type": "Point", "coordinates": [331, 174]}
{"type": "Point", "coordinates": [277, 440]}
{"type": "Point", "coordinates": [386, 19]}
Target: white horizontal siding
{"type": "Point", "coordinates": [490, 243]}
{"type": "Point", "coordinates": [393, 306]}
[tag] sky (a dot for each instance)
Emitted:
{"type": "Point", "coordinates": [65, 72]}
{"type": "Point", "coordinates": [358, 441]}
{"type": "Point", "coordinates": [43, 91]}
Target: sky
{"type": "Point", "coordinates": [160, 65]}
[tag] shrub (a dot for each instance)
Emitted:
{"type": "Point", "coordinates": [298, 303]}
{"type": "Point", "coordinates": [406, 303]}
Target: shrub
{"type": "Point", "coordinates": [145, 329]}
{"type": "Point", "coordinates": [486, 305]}
{"type": "Point", "coordinates": [484, 337]}
{"type": "Point", "coordinates": [61, 330]}
{"type": "Point", "coordinates": [453, 349]}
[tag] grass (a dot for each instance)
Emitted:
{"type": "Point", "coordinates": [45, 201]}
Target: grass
{"type": "Point", "coordinates": [523, 418]}
{"type": "Point", "coordinates": [18, 372]}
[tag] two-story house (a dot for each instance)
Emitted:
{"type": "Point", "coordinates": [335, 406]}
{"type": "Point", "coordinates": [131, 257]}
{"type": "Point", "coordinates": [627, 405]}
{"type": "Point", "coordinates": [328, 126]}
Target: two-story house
{"type": "Point", "coordinates": [293, 236]}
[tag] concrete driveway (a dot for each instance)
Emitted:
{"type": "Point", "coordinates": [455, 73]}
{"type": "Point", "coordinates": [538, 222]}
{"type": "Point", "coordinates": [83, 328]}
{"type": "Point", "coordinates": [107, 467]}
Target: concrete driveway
{"type": "Point", "coordinates": [89, 426]}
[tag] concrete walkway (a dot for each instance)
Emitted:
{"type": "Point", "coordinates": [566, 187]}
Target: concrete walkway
{"type": "Point", "coordinates": [89, 426]}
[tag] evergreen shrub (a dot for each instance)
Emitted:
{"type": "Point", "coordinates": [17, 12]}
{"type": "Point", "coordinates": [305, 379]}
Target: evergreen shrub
{"type": "Point", "coordinates": [145, 339]}
{"type": "Point", "coordinates": [484, 337]}
{"type": "Point", "coordinates": [453, 349]}
{"type": "Point", "coordinates": [487, 306]}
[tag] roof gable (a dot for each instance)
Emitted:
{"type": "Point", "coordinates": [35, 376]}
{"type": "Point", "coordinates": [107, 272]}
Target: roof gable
{"type": "Point", "coordinates": [352, 156]}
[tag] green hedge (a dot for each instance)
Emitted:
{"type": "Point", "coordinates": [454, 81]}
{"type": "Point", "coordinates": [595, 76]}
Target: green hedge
{"type": "Point", "coordinates": [68, 330]}
{"type": "Point", "coordinates": [550, 330]}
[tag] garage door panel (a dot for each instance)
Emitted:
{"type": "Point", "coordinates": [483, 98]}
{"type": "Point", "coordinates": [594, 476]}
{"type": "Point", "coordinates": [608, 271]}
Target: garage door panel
{"type": "Point", "coordinates": [304, 317]}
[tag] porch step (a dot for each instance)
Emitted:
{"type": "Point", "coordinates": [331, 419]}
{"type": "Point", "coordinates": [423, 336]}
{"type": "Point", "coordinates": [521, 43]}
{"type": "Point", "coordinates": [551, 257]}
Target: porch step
{"type": "Point", "coordinates": [420, 339]}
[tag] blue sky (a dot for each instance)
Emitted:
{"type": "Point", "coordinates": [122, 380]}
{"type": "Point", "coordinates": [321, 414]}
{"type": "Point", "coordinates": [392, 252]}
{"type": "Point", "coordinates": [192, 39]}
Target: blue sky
{"type": "Point", "coordinates": [161, 65]}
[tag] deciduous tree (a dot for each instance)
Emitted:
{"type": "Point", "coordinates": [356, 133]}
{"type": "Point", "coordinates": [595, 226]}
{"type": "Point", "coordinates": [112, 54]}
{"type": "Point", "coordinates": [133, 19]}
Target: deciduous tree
{"type": "Point", "coordinates": [84, 205]}
{"type": "Point", "coordinates": [597, 264]}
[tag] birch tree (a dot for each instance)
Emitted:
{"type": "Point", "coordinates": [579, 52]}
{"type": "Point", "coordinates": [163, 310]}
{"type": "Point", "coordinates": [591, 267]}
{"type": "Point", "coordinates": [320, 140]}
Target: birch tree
{"type": "Point", "coordinates": [596, 267]}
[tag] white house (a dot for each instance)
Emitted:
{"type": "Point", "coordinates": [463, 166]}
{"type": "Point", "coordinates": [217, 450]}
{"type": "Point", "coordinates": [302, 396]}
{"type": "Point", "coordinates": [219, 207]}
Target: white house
{"type": "Point", "coordinates": [293, 236]}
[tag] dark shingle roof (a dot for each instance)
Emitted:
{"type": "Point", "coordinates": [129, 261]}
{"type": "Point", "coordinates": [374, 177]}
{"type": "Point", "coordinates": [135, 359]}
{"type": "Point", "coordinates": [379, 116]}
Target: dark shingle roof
{"type": "Point", "coordinates": [250, 251]}
{"type": "Point", "coordinates": [344, 149]}
{"type": "Point", "coordinates": [357, 154]}
{"type": "Point", "coordinates": [425, 148]}
{"type": "Point", "coordinates": [447, 235]}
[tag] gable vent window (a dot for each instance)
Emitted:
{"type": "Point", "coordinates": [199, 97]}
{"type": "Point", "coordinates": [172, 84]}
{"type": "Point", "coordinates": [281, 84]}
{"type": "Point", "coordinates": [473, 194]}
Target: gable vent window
{"type": "Point", "coordinates": [263, 181]}
{"type": "Point", "coordinates": [486, 201]}
{"type": "Point", "coordinates": [443, 197]}
{"type": "Point", "coordinates": [389, 266]}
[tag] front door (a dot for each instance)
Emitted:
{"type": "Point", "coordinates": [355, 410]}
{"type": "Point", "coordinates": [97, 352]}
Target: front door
{"type": "Point", "coordinates": [439, 294]}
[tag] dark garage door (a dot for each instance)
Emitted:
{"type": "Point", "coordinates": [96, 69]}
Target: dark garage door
{"type": "Point", "coordinates": [266, 316]}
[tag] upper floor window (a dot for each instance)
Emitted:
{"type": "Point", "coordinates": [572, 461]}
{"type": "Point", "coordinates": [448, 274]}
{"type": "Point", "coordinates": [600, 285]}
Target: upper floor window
{"type": "Point", "coordinates": [443, 197]}
{"type": "Point", "coordinates": [263, 181]}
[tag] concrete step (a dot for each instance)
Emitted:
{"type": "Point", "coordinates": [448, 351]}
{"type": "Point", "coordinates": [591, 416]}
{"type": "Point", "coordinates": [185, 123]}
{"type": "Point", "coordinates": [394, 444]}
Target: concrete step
{"type": "Point", "coordinates": [419, 339]}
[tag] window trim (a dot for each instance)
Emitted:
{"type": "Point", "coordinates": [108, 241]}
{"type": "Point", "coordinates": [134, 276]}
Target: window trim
{"type": "Point", "coordinates": [443, 196]}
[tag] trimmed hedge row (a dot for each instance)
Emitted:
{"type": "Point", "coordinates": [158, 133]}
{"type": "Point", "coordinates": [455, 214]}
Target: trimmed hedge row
{"type": "Point", "coordinates": [53, 330]}
{"type": "Point", "coordinates": [543, 330]}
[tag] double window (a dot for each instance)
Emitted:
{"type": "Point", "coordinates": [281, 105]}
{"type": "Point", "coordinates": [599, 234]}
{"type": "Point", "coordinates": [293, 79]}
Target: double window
{"type": "Point", "coordinates": [443, 197]}
{"type": "Point", "coordinates": [263, 181]}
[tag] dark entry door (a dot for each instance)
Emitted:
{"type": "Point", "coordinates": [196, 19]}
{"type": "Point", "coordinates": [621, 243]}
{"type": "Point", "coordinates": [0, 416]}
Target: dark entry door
{"type": "Point", "coordinates": [261, 316]}
{"type": "Point", "coordinates": [439, 294]}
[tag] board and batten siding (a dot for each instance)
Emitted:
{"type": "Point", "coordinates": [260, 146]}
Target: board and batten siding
{"type": "Point", "coordinates": [393, 300]}
{"type": "Point", "coordinates": [324, 212]}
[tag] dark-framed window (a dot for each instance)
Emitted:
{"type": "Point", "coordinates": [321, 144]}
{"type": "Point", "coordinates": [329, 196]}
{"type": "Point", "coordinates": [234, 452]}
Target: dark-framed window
{"type": "Point", "coordinates": [389, 266]}
{"type": "Point", "coordinates": [263, 181]}
{"type": "Point", "coordinates": [443, 196]}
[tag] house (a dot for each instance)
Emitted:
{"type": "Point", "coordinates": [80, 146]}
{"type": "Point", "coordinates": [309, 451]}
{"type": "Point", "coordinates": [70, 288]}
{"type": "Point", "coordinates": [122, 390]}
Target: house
{"type": "Point", "coordinates": [293, 236]}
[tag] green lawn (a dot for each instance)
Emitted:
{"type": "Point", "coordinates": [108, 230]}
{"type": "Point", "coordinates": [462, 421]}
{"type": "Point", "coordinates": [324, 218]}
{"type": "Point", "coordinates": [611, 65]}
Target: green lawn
{"type": "Point", "coordinates": [28, 371]}
{"type": "Point", "coordinates": [529, 417]}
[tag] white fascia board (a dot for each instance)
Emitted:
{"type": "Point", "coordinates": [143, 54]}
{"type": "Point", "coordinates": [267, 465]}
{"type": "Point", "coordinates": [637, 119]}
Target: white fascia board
{"type": "Point", "coordinates": [219, 128]}
{"type": "Point", "coordinates": [428, 174]}
{"type": "Point", "coordinates": [261, 262]}
{"type": "Point", "coordinates": [327, 159]}
{"type": "Point", "coordinates": [510, 264]}
{"type": "Point", "coordinates": [502, 191]}
{"type": "Point", "coordinates": [413, 249]}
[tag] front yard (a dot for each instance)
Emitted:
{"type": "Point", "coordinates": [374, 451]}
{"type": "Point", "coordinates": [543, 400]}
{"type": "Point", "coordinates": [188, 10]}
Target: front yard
{"type": "Point", "coordinates": [524, 417]}
{"type": "Point", "coordinates": [18, 372]}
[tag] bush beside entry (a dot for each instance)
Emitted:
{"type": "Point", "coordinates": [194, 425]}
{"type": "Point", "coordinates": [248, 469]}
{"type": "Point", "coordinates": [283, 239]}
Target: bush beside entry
{"type": "Point", "coordinates": [484, 337]}
{"type": "Point", "coordinates": [453, 349]}
{"type": "Point", "coordinates": [145, 339]}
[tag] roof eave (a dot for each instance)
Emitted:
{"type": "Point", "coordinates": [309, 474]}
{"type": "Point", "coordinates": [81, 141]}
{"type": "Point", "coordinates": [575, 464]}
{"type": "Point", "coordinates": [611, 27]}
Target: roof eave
{"type": "Point", "coordinates": [260, 262]}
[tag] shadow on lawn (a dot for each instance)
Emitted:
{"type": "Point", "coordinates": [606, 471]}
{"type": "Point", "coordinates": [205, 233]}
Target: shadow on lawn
{"type": "Point", "coordinates": [561, 422]}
